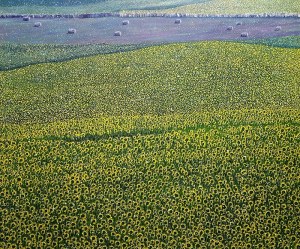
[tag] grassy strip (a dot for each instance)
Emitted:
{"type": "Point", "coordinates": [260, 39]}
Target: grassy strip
{"type": "Point", "coordinates": [19, 55]}
{"type": "Point", "coordinates": [50, 7]}
{"type": "Point", "coordinates": [282, 42]}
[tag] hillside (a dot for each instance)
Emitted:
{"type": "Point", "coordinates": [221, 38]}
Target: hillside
{"type": "Point", "coordinates": [20, 55]}
{"type": "Point", "coordinates": [209, 76]}
{"type": "Point", "coordinates": [137, 149]}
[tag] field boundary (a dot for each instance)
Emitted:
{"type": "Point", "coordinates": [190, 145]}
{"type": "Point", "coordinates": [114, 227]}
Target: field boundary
{"type": "Point", "coordinates": [136, 15]}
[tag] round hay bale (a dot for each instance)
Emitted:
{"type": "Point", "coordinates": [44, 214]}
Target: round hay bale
{"type": "Point", "coordinates": [72, 31]}
{"type": "Point", "coordinates": [26, 18]}
{"type": "Point", "coordinates": [125, 22]}
{"type": "Point", "coordinates": [37, 24]}
{"type": "Point", "coordinates": [239, 23]}
{"type": "Point", "coordinates": [229, 28]}
{"type": "Point", "coordinates": [177, 21]}
{"type": "Point", "coordinates": [118, 33]}
{"type": "Point", "coordinates": [244, 34]}
{"type": "Point", "coordinates": [278, 28]}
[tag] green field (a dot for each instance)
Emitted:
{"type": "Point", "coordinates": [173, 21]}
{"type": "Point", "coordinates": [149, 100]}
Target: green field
{"type": "Point", "coordinates": [190, 145]}
{"type": "Point", "coordinates": [241, 6]}
{"type": "Point", "coordinates": [89, 6]}
{"type": "Point", "coordinates": [282, 42]}
{"type": "Point", "coordinates": [20, 55]}
{"type": "Point", "coordinates": [48, 2]}
{"type": "Point", "coordinates": [173, 6]}
{"type": "Point", "coordinates": [182, 78]}
{"type": "Point", "coordinates": [204, 180]}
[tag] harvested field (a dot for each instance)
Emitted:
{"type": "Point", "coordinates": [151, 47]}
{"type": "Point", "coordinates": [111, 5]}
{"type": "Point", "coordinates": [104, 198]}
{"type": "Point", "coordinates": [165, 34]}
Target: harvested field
{"type": "Point", "coordinates": [143, 30]}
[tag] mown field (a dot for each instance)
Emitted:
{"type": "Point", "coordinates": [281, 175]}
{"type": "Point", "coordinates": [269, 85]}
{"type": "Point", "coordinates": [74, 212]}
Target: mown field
{"type": "Point", "coordinates": [171, 6]}
{"type": "Point", "coordinates": [141, 30]}
{"type": "Point", "coordinates": [192, 145]}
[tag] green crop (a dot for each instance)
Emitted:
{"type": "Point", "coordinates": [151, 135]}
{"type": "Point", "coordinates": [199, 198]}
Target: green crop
{"type": "Point", "coordinates": [180, 78]}
{"type": "Point", "coordinates": [282, 42]}
{"type": "Point", "coordinates": [241, 7]}
{"type": "Point", "coordinates": [211, 179]}
{"type": "Point", "coordinates": [192, 145]}
{"type": "Point", "coordinates": [20, 55]}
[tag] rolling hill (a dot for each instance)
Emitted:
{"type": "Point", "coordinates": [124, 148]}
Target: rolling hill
{"type": "Point", "coordinates": [184, 77]}
{"type": "Point", "coordinates": [174, 146]}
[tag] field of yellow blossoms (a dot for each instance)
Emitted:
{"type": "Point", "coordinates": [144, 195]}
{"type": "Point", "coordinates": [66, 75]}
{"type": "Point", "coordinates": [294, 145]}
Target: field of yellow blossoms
{"type": "Point", "coordinates": [192, 145]}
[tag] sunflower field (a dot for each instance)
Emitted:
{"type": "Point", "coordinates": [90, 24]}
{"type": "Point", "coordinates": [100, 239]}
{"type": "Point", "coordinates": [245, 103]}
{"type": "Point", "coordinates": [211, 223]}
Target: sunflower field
{"type": "Point", "coordinates": [193, 145]}
{"type": "Point", "coordinates": [159, 80]}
